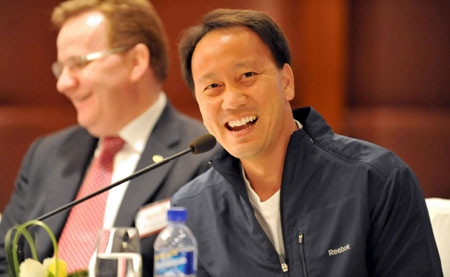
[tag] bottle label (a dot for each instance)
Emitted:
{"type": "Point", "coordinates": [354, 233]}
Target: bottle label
{"type": "Point", "coordinates": [174, 262]}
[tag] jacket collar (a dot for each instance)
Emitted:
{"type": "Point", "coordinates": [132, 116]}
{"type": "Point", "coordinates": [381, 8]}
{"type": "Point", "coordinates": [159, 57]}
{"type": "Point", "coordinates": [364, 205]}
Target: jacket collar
{"type": "Point", "coordinates": [314, 128]}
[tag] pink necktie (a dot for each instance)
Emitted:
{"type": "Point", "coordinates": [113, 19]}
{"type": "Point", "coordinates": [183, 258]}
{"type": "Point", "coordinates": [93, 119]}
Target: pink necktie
{"type": "Point", "coordinates": [77, 242]}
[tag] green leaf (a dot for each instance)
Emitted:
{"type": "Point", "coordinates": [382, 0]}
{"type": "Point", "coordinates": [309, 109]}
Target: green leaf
{"type": "Point", "coordinates": [12, 270]}
{"type": "Point", "coordinates": [79, 273]}
{"type": "Point", "coordinates": [11, 248]}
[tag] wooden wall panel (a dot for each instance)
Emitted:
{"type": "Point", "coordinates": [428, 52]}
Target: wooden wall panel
{"type": "Point", "coordinates": [27, 50]}
{"type": "Point", "coordinates": [400, 53]}
{"type": "Point", "coordinates": [30, 106]}
{"type": "Point", "coordinates": [318, 31]}
{"type": "Point", "coordinates": [399, 85]}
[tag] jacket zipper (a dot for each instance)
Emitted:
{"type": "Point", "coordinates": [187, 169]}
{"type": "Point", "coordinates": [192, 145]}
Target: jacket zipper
{"type": "Point", "coordinates": [302, 254]}
{"type": "Point", "coordinates": [283, 263]}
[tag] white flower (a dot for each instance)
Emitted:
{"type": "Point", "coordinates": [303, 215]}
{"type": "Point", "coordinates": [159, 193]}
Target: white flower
{"type": "Point", "coordinates": [32, 268]}
{"type": "Point", "coordinates": [46, 263]}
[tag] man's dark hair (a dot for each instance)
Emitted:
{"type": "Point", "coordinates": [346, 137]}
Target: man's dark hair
{"type": "Point", "coordinates": [258, 22]}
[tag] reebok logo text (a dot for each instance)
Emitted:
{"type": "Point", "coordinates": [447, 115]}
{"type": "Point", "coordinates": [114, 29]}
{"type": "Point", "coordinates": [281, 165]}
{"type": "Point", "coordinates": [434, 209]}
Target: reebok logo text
{"type": "Point", "coordinates": [339, 250]}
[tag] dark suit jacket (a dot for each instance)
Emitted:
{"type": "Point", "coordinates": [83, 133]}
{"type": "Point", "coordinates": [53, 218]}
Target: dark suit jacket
{"type": "Point", "coordinates": [54, 166]}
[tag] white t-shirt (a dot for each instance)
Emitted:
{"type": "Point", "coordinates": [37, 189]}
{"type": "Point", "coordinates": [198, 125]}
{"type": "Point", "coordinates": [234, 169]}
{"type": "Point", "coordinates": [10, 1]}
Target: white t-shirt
{"type": "Point", "coordinates": [268, 212]}
{"type": "Point", "coordinates": [268, 215]}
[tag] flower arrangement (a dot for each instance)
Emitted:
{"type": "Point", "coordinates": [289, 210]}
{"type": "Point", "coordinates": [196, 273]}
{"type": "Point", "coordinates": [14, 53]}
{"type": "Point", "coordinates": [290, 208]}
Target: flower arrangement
{"type": "Point", "coordinates": [31, 267]}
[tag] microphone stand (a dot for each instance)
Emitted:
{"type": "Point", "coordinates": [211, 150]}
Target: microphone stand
{"type": "Point", "coordinates": [134, 175]}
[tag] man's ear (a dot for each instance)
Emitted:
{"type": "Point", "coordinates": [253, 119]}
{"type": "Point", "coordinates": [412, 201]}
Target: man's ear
{"type": "Point", "coordinates": [287, 79]}
{"type": "Point", "coordinates": [140, 59]}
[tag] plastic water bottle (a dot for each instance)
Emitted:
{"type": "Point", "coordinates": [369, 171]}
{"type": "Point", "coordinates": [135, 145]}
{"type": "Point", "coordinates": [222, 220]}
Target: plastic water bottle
{"type": "Point", "coordinates": [175, 247]}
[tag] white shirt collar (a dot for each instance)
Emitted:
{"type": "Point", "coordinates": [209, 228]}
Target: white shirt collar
{"type": "Point", "coordinates": [299, 125]}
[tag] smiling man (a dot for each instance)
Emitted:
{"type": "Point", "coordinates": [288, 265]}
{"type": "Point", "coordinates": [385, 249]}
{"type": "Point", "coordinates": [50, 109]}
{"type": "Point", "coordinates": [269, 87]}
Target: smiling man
{"type": "Point", "coordinates": [111, 64]}
{"type": "Point", "coordinates": [288, 196]}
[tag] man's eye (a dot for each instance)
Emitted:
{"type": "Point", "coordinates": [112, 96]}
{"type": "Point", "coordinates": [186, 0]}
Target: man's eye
{"type": "Point", "coordinates": [249, 74]}
{"type": "Point", "coordinates": [211, 86]}
{"type": "Point", "coordinates": [75, 62]}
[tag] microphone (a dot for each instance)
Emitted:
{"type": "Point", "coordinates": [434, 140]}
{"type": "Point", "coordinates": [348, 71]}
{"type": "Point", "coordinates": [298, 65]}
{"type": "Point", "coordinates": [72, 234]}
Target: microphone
{"type": "Point", "coordinates": [200, 145]}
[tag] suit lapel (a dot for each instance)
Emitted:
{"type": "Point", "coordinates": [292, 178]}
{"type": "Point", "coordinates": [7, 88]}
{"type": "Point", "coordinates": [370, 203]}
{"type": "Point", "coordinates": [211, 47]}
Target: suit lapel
{"type": "Point", "coordinates": [144, 188]}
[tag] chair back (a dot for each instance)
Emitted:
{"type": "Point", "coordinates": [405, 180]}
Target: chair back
{"type": "Point", "coordinates": [439, 210]}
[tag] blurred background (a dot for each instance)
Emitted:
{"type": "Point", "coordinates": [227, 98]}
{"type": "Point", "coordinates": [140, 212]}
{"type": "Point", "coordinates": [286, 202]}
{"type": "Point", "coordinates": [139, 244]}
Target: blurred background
{"type": "Point", "coordinates": [377, 70]}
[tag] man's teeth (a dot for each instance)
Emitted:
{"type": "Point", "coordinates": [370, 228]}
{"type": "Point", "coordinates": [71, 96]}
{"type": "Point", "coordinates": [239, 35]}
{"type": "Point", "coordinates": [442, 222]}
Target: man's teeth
{"type": "Point", "coordinates": [242, 121]}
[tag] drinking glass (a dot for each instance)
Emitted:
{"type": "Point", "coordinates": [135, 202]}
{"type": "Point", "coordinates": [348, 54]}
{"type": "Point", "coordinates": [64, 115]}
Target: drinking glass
{"type": "Point", "coordinates": [118, 253]}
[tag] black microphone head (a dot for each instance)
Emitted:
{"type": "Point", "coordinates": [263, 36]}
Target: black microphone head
{"type": "Point", "coordinates": [203, 144]}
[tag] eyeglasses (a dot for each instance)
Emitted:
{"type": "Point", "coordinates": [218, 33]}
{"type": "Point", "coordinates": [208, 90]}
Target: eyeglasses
{"type": "Point", "coordinates": [78, 62]}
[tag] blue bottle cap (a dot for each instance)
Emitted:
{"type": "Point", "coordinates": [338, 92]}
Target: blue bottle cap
{"type": "Point", "coordinates": [177, 214]}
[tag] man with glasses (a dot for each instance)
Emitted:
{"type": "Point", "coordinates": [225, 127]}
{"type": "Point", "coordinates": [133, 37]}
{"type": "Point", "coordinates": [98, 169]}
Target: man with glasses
{"type": "Point", "coordinates": [112, 61]}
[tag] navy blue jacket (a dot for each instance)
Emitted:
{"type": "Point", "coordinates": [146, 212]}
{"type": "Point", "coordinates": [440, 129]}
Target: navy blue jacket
{"type": "Point", "coordinates": [348, 208]}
